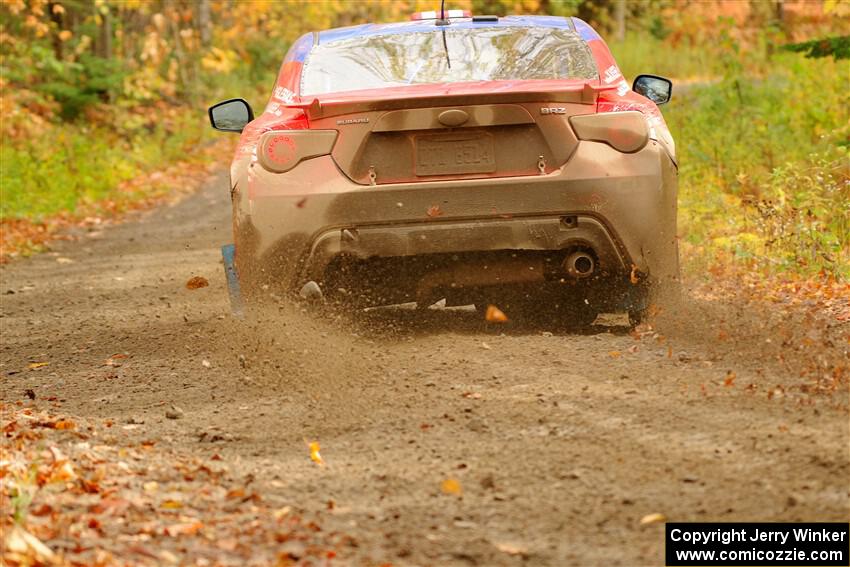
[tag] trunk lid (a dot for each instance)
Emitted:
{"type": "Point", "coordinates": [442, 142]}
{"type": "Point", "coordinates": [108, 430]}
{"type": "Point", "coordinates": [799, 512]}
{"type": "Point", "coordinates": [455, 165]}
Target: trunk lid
{"type": "Point", "coordinates": [409, 134]}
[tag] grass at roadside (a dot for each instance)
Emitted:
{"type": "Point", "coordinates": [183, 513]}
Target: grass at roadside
{"type": "Point", "coordinates": [55, 174]}
{"type": "Point", "coordinates": [764, 171]}
{"type": "Point", "coordinates": [75, 165]}
{"type": "Point", "coordinates": [645, 54]}
{"type": "Point", "coordinates": [164, 182]}
{"type": "Point", "coordinates": [762, 141]}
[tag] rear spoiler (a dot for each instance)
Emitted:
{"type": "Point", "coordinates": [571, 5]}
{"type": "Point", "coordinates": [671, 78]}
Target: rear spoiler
{"type": "Point", "coordinates": [586, 93]}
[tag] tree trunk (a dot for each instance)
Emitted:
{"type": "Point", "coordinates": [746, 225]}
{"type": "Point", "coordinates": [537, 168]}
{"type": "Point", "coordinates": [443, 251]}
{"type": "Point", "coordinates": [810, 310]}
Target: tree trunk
{"type": "Point", "coordinates": [620, 17]}
{"type": "Point", "coordinates": [780, 14]}
{"type": "Point", "coordinates": [58, 18]}
{"type": "Point", "coordinates": [204, 24]}
{"type": "Point", "coordinates": [104, 42]}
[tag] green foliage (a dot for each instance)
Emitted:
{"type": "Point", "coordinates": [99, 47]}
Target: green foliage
{"type": "Point", "coordinates": [836, 47]}
{"type": "Point", "coordinates": [73, 83]}
{"type": "Point", "coordinates": [764, 167]}
{"type": "Point", "coordinates": [96, 93]}
{"type": "Point", "coordinates": [23, 486]}
{"type": "Point", "coordinates": [82, 84]}
{"type": "Point", "coordinates": [81, 164]}
{"type": "Point", "coordinates": [645, 53]}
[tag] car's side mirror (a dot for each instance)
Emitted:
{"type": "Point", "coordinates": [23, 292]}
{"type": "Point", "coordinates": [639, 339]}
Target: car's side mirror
{"type": "Point", "coordinates": [231, 115]}
{"type": "Point", "coordinates": [657, 89]}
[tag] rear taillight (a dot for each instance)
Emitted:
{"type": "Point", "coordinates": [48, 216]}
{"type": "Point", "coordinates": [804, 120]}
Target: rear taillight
{"type": "Point", "coordinates": [626, 131]}
{"type": "Point", "coordinates": [604, 105]}
{"type": "Point", "coordinates": [293, 119]}
{"type": "Point", "coordinates": [281, 150]}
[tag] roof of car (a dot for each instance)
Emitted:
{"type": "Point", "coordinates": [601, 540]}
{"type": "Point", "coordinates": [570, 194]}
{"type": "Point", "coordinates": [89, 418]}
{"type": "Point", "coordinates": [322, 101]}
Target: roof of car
{"type": "Point", "coordinates": [339, 34]}
{"type": "Point", "coordinates": [306, 42]}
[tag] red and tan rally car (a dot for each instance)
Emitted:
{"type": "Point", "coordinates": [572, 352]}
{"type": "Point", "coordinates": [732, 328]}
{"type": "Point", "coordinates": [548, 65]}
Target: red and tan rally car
{"type": "Point", "coordinates": [473, 159]}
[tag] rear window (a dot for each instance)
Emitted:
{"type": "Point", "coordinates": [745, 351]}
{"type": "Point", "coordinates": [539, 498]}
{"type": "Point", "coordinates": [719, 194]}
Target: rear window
{"type": "Point", "coordinates": [415, 58]}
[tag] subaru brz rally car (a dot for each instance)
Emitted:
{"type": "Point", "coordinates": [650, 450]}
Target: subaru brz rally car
{"type": "Point", "coordinates": [473, 159]}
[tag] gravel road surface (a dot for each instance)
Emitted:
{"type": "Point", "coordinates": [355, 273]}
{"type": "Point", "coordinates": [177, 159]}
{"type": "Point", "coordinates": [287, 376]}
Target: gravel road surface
{"type": "Point", "coordinates": [447, 440]}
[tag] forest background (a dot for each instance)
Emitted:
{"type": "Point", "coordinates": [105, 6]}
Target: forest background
{"type": "Point", "coordinates": [103, 110]}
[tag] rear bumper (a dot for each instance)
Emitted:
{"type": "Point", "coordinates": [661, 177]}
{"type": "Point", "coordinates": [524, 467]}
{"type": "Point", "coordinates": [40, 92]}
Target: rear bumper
{"type": "Point", "coordinates": [622, 206]}
{"type": "Point", "coordinates": [458, 237]}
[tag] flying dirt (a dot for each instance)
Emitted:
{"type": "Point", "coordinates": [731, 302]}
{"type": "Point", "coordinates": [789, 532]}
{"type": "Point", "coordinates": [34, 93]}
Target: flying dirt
{"type": "Point", "coordinates": [445, 439]}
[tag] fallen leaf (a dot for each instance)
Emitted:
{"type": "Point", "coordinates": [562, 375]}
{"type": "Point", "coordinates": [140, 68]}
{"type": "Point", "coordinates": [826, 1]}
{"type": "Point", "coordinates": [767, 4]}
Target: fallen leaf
{"type": "Point", "coordinates": [63, 472]}
{"type": "Point", "coordinates": [730, 379]}
{"type": "Point", "coordinates": [512, 548]}
{"type": "Point", "coordinates": [174, 412]}
{"type": "Point", "coordinates": [197, 282]}
{"type": "Point", "coordinates": [186, 528]}
{"type": "Point", "coordinates": [315, 456]}
{"type": "Point", "coordinates": [42, 510]}
{"type": "Point", "coordinates": [614, 354]}
{"type": "Point", "coordinates": [653, 519]}
{"type": "Point", "coordinates": [495, 315]}
{"type": "Point", "coordinates": [113, 360]}
{"type": "Point", "coordinates": [171, 504]}
{"type": "Point", "coordinates": [64, 424]}
{"type": "Point", "coordinates": [22, 542]}
{"type": "Point", "coordinates": [451, 486]}
{"type": "Point", "coordinates": [236, 494]}
{"type": "Point", "coordinates": [34, 365]}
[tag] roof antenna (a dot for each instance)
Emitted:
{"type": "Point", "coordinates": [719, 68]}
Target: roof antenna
{"type": "Point", "coordinates": [442, 21]}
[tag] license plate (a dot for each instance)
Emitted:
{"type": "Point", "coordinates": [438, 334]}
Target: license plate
{"type": "Point", "coordinates": [454, 153]}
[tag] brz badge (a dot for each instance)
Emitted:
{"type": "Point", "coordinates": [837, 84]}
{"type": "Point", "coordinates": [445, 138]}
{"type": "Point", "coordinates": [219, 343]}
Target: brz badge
{"type": "Point", "coordinates": [553, 110]}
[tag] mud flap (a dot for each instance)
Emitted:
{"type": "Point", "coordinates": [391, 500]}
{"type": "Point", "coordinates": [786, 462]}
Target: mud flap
{"type": "Point", "coordinates": [236, 307]}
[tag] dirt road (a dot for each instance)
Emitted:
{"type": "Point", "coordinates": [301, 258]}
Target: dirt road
{"type": "Point", "coordinates": [560, 442]}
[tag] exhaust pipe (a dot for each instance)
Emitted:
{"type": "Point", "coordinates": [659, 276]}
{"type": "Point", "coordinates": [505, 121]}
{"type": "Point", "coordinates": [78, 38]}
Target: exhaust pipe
{"type": "Point", "coordinates": [580, 264]}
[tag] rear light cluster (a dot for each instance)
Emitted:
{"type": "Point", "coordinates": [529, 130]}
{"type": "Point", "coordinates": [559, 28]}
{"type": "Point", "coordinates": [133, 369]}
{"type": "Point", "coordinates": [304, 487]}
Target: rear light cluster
{"type": "Point", "coordinates": [626, 131]}
{"type": "Point", "coordinates": [294, 119]}
{"type": "Point", "coordinates": [280, 151]}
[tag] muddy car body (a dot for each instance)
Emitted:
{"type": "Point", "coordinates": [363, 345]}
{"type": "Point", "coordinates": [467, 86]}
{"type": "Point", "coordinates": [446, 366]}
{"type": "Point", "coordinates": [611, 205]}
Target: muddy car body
{"type": "Point", "coordinates": [477, 160]}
